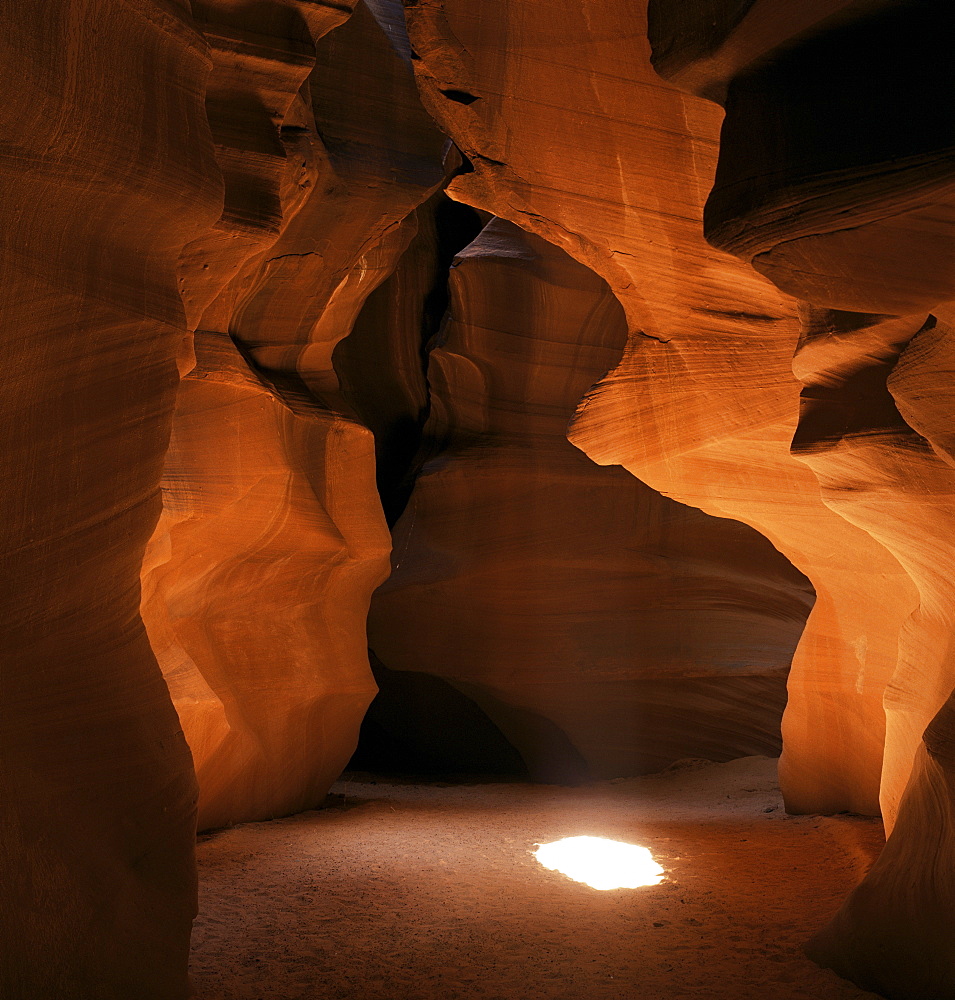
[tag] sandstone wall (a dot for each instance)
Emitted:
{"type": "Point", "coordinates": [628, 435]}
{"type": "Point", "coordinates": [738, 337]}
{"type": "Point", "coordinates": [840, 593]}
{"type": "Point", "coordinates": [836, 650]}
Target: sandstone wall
{"type": "Point", "coordinates": [156, 155]}
{"type": "Point", "coordinates": [846, 202]}
{"type": "Point", "coordinates": [604, 629]}
{"type": "Point", "coordinates": [833, 180]}
{"type": "Point", "coordinates": [108, 172]}
{"type": "Point", "coordinates": [272, 540]}
{"type": "Point", "coordinates": [703, 404]}
{"type": "Point", "coordinates": [214, 190]}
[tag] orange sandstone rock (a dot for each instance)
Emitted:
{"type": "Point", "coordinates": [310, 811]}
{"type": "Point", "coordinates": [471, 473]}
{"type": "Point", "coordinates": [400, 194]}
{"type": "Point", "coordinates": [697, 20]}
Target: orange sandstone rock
{"type": "Point", "coordinates": [273, 539]}
{"type": "Point", "coordinates": [873, 384]}
{"type": "Point", "coordinates": [604, 629]}
{"type": "Point", "coordinates": [846, 200]}
{"type": "Point", "coordinates": [703, 405]}
{"type": "Point", "coordinates": [382, 364]}
{"type": "Point", "coordinates": [108, 172]}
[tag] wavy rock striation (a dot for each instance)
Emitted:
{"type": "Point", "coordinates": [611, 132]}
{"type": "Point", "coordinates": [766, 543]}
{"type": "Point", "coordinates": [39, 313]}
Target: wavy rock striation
{"type": "Point", "coordinates": [272, 541]}
{"type": "Point", "coordinates": [270, 544]}
{"type": "Point", "coordinates": [835, 183]}
{"type": "Point", "coordinates": [604, 629]}
{"type": "Point", "coordinates": [873, 383]}
{"type": "Point", "coordinates": [213, 191]}
{"type": "Point", "coordinates": [846, 201]}
{"type": "Point", "coordinates": [703, 405]}
{"type": "Point", "coordinates": [108, 172]}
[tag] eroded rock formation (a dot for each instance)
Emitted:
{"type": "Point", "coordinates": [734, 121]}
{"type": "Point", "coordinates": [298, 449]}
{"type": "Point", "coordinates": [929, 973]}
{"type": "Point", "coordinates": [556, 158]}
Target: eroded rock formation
{"type": "Point", "coordinates": [605, 630]}
{"type": "Point", "coordinates": [264, 560]}
{"type": "Point", "coordinates": [119, 242]}
{"type": "Point", "coordinates": [704, 404]}
{"type": "Point", "coordinates": [214, 192]}
{"type": "Point", "coordinates": [837, 188]}
{"type": "Point", "coordinates": [846, 202]}
{"type": "Point", "coordinates": [109, 171]}
{"type": "Point", "coordinates": [272, 538]}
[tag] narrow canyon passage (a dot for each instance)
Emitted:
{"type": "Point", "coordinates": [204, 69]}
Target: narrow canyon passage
{"type": "Point", "coordinates": [559, 392]}
{"type": "Point", "coordinates": [431, 891]}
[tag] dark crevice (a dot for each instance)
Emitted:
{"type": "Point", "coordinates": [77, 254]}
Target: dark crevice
{"type": "Point", "coordinates": [445, 228]}
{"type": "Point", "coordinates": [467, 166]}
{"type": "Point", "coordinates": [461, 96]}
{"type": "Point", "coordinates": [488, 160]}
{"type": "Point", "coordinates": [456, 226]}
{"type": "Point", "coordinates": [420, 725]}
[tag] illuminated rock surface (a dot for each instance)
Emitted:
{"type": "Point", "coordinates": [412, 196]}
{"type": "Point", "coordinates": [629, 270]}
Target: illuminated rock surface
{"type": "Point", "coordinates": [257, 594]}
{"type": "Point", "coordinates": [703, 405]}
{"type": "Point", "coordinates": [258, 581]}
{"type": "Point", "coordinates": [221, 192]}
{"type": "Point", "coordinates": [149, 185]}
{"type": "Point", "coordinates": [835, 183]}
{"type": "Point", "coordinates": [845, 199]}
{"type": "Point", "coordinates": [604, 629]}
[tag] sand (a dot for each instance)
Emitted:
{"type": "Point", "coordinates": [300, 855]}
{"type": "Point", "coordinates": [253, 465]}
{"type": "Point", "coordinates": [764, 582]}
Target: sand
{"type": "Point", "coordinates": [423, 891]}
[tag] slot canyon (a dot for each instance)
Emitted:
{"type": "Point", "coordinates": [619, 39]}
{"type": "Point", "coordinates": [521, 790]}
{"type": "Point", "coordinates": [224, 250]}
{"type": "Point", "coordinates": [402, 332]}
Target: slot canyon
{"type": "Point", "coordinates": [436, 429]}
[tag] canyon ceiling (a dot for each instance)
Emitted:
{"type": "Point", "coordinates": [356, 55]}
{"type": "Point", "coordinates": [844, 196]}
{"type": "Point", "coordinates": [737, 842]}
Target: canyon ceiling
{"type": "Point", "coordinates": [591, 365]}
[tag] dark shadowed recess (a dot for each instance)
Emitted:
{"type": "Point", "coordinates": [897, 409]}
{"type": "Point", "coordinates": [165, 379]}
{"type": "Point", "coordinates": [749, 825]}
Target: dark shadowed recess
{"type": "Point", "coordinates": [681, 33]}
{"type": "Point", "coordinates": [382, 364]}
{"type": "Point", "coordinates": [819, 109]}
{"type": "Point", "coordinates": [420, 725]}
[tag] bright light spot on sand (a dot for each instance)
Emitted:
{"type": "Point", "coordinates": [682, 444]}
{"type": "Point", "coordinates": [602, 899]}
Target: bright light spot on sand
{"type": "Point", "coordinates": [601, 863]}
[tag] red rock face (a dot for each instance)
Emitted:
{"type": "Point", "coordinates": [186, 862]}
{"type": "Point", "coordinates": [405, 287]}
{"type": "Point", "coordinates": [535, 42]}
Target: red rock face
{"type": "Point", "coordinates": [703, 404]}
{"type": "Point", "coordinates": [846, 202]}
{"type": "Point", "coordinates": [257, 609]}
{"type": "Point", "coordinates": [162, 160]}
{"type": "Point", "coordinates": [750, 314]}
{"type": "Point", "coordinates": [108, 172]}
{"type": "Point", "coordinates": [872, 384]}
{"type": "Point", "coordinates": [604, 629]}
{"type": "Point", "coordinates": [836, 186]}
{"type": "Point", "coordinates": [272, 540]}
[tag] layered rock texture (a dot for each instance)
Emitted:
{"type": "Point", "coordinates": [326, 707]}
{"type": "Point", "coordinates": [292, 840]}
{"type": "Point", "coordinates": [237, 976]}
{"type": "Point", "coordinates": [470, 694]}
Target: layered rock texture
{"type": "Point", "coordinates": [835, 186]}
{"type": "Point", "coordinates": [746, 319]}
{"type": "Point", "coordinates": [109, 171]}
{"type": "Point", "coordinates": [605, 630]}
{"type": "Point", "coordinates": [846, 202]}
{"type": "Point", "coordinates": [703, 404]}
{"type": "Point", "coordinates": [256, 180]}
{"type": "Point", "coordinates": [272, 539]}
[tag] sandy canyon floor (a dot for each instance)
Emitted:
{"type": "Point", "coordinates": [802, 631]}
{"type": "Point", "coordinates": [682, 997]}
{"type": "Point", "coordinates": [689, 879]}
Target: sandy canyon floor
{"type": "Point", "coordinates": [421, 892]}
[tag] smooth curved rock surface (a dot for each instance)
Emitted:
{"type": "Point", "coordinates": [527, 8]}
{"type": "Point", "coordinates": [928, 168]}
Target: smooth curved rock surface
{"type": "Point", "coordinates": [846, 201]}
{"type": "Point", "coordinates": [108, 172]}
{"type": "Point", "coordinates": [894, 932]}
{"type": "Point", "coordinates": [703, 405]}
{"type": "Point", "coordinates": [872, 384]}
{"type": "Point", "coordinates": [257, 613]}
{"type": "Point", "coordinates": [606, 630]}
{"type": "Point", "coordinates": [253, 172]}
{"type": "Point", "coordinates": [273, 538]}
{"type": "Point", "coordinates": [887, 479]}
